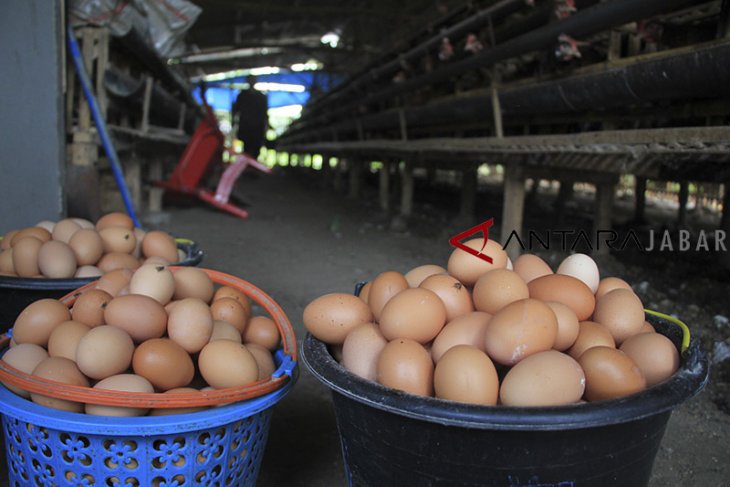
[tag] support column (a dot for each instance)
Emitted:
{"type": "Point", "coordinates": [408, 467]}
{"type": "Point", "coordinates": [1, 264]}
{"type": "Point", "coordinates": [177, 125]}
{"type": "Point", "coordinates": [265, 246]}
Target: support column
{"type": "Point", "coordinates": [565, 193]}
{"type": "Point", "coordinates": [468, 191]}
{"type": "Point", "coordinates": [602, 215]}
{"type": "Point", "coordinates": [384, 186]}
{"type": "Point", "coordinates": [155, 194]}
{"type": "Point", "coordinates": [133, 178]}
{"type": "Point", "coordinates": [355, 178]}
{"type": "Point", "coordinates": [725, 225]}
{"type": "Point", "coordinates": [683, 198]}
{"type": "Point", "coordinates": [406, 195]}
{"type": "Point", "coordinates": [640, 200]}
{"type": "Point", "coordinates": [513, 205]}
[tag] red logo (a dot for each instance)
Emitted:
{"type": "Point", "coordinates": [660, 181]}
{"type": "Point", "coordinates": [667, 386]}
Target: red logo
{"type": "Point", "coordinates": [482, 227]}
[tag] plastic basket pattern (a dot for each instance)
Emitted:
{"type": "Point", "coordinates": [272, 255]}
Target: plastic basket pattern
{"type": "Point", "coordinates": [229, 455]}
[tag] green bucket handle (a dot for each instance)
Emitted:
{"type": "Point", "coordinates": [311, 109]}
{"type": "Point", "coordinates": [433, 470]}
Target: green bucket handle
{"type": "Point", "coordinates": [676, 321]}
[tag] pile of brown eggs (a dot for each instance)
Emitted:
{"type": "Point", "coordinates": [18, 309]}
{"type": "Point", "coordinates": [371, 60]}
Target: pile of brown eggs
{"type": "Point", "coordinates": [493, 333]}
{"type": "Point", "coordinates": [152, 330]}
{"type": "Point", "coordinates": [75, 247]}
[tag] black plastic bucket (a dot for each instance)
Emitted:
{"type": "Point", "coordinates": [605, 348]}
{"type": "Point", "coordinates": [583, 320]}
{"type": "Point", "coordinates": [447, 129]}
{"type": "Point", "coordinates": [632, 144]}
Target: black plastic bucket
{"type": "Point", "coordinates": [393, 438]}
{"type": "Point", "coordinates": [18, 292]}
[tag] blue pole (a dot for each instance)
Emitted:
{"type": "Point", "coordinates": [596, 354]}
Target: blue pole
{"type": "Point", "coordinates": [100, 125]}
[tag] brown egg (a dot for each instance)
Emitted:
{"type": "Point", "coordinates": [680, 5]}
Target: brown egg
{"type": "Point", "coordinates": [468, 268]}
{"type": "Point", "coordinates": [466, 374]}
{"type": "Point", "coordinates": [621, 312]}
{"type": "Point", "coordinates": [118, 239]}
{"type": "Point", "coordinates": [64, 339]}
{"type": "Point", "coordinates": [190, 324]}
{"type": "Point", "coordinates": [361, 350]}
{"type": "Point", "coordinates": [56, 260]}
{"type": "Point", "coordinates": [88, 271]}
{"type": "Point", "coordinates": [331, 317]}
{"type": "Point", "coordinates": [113, 282]}
{"type": "Point", "coordinates": [5, 242]}
{"type": "Point", "coordinates": [120, 382]}
{"type": "Point", "coordinates": [230, 311]}
{"type": "Point", "coordinates": [193, 283]}
{"type": "Point", "coordinates": [36, 322]}
{"type": "Point", "coordinates": [161, 244]}
{"type": "Point", "coordinates": [158, 261]}
{"type": "Point", "coordinates": [529, 267]}
{"type": "Point", "coordinates": [455, 296]}
{"type": "Point", "coordinates": [568, 326]}
{"type": "Point", "coordinates": [84, 223]}
{"type": "Point", "coordinates": [40, 233]}
{"type": "Point", "coordinates": [140, 316]}
{"type": "Point", "coordinates": [104, 351]}
{"type": "Point", "coordinates": [65, 229]}
{"type": "Point", "coordinates": [263, 331]}
{"type": "Point", "coordinates": [417, 275]}
{"type": "Point", "coordinates": [608, 284]}
{"type": "Point", "coordinates": [183, 410]}
{"type": "Point", "coordinates": [498, 288]}
{"type": "Point", "coordinates": [365, 291]}
{"type": "Point", "coordinates": [25, 256]}
{"type": "Point", "coordinates": [610, 373]}
{"type": "Point", "coordinates": [547, 378]}
{"type": "Point", "coordinates": [225, 331]}
{"type": "Point", "coordinates": [117, 260]}
{"type": "Point", "coordinates": [229, 292]}
{"type": "Point", "coordinates": [655, 354]}
{"type": "Point", "coordinates": [139, 235]}
{"type": "Point", "coordinates": [62, 370]}
{"type": "Point", "coordinates": [24, 357]}
{"type": "Point", "coordinates": [590, 334]}
{"type": "Point", "coordinates": [647, 328]}
{"type": "Point", "coordinates": [519, 330]}
{"type": "Point", "coordinates": [115, 219]}
{"type": "Point", "coordinates": [224, 364]}
{"type": "Point", "coordinates": [264, 360]}
{"type": "Point", "coordinates": [416, 313]}
{"type": "Point", "coordinates": [89, 307]}
{"type": "Point", "coordinates": [6, 262]}
{"type": "Point", "coordinates": [564, 289]}
{"type": "Point", "coordinates": [164, 363]}
{"type": "Point", "coordinates": [87, 246]}
{"type": "Point", "coordinates": [383, 288]}
{"type": "Point", "coordinates": [406, 365]}
{"type": "Point", "coordinates": [469, 329]}
{"type": "Point", "coordinates": [155, 281]}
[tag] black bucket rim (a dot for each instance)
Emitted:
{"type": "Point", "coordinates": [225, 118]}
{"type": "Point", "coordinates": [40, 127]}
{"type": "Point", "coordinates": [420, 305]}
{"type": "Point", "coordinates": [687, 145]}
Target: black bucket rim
{"type": "Point", "coordinates": [193, 257]}
{"type": "Point", "coordinates": [686, 383]}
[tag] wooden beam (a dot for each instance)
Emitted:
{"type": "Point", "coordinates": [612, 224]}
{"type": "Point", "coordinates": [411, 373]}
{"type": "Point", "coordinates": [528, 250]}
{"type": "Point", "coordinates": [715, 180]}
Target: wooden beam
{"type": "Point", "coordinates": [602, 216]}
{"type": "Point", "coordinates": [407, 186]}
{"type": "Point", "coordinates": [513, 204]}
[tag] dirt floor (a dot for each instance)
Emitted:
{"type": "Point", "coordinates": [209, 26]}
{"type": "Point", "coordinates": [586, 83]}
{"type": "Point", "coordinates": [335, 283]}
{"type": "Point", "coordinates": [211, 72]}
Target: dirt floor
{"type": "Point", "coordinates": [303, 240]}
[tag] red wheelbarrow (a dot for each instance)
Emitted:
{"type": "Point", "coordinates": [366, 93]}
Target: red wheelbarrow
{"type": "Point", "coordinates": [204, 150]}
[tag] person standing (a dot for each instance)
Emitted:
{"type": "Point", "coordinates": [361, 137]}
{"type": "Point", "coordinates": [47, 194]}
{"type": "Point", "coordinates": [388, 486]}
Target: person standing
{"type": "Point", "coordinates": [250, 117]}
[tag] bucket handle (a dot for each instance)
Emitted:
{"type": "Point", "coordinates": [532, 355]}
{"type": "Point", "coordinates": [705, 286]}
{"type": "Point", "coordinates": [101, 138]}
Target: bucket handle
{"type": "Point", "coordinates": [676, 321]}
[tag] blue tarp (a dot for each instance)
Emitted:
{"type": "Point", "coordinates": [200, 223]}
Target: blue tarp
{"type": "Point", "coordinates": [220, 97]}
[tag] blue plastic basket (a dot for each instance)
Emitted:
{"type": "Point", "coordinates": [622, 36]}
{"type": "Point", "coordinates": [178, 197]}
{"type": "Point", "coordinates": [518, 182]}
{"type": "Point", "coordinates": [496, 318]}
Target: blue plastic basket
{"type": "Point", "coordinates": [222, 446]}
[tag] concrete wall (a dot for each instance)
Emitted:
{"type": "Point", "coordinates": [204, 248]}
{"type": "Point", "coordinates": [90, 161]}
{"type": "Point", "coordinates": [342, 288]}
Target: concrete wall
{"type": "Point", "coordinates": [31, 112]}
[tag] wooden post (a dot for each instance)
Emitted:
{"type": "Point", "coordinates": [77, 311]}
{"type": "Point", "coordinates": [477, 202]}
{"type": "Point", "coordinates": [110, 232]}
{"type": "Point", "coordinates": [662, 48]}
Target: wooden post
{"type": "Point", "coordinates": [133, 177]}
{"type": "Point", "coordinates": [602, 215]}
{"type": "Point", "coordinates": [384, 186]}
{"type": "Point", "coordinates": [683, 198]}
{"type": "Point", "coordinates": [146, 104]}
{"type": "Point", "coordinates": [356, 166]}
{"type": "Point", "coordinates": [406, 196]}
{"type": "Point", "coordinates": [155, 194]}
{"type": "Point", "coordinates": [513, 204]}
{"type": "Point", "coordinates": [565, 193]}
{"type": "Point", "coordinates": [640, 199]}
{"type": "Point", "coordinates": [468, 191]}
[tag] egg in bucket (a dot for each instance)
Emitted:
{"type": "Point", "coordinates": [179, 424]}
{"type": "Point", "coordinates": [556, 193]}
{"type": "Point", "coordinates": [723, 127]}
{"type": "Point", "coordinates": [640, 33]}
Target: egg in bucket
{"type": "Point", "coordinates": [222, 444]}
